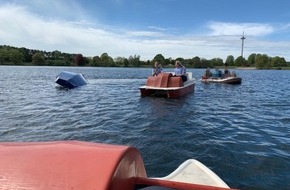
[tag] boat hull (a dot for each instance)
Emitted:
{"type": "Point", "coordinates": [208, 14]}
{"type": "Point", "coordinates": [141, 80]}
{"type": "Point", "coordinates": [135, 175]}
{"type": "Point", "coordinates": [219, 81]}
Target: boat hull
{"type": "Point", "coordinates": [167, 93]}
{"type": "Point", "coordinates": [228, 80]}
{"type": "Point", "coordinates": [70, 80]}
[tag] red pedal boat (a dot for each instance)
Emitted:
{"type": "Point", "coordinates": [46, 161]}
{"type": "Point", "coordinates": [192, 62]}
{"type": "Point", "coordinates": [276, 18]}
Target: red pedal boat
{"type": "Point", "coordinates": [167, 85]}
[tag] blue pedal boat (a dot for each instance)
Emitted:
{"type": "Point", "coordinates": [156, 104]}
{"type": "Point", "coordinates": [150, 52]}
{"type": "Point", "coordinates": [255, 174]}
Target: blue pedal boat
{"type": "Point", "coordinates": [70, 79]}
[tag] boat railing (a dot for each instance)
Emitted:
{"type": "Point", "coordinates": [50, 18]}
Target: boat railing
{"type": "Point", "coordinates": [187, 74]}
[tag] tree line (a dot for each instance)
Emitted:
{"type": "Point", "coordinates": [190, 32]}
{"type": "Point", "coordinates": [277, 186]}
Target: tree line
{"type": "Point", "coordinates": [22, 56]}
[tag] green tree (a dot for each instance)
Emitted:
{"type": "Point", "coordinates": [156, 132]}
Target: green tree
{"type": "Point", "coordinates": [134, 60]}
{"type": "Point", "coordinates": [230, 60]}
{"type": "Point", "coordinates": [187, 62]}
{"type": "Point", "coordinates": [38, 59]}
{"type": "Point", "coordinates": [126, 62]}
{"type": "Point", "coordinates": [86, 61]}
{"type": "Point", "coordinates": [252, 59]}
{"type": "Point", "coordinates": [3, 55]}
{"type": "Point", "coordinates": [283, 62]}
{"type": "Point", "coordinates": [27, 56]}
{"type": "Point", "coordinates": [205, 63]}
{"type": "Point", "coordinates": [196, 62]}
{"type": "Point", "coordinates": [278, 62]}
{"type": "Point", "coordinates": [16, 56]}
{"type": "Point", "coordinates": [56, 55]}
{"type": "Point", "coordinates": [160, 58]}
{"type": "Point", "coordinates": [179, 59]}
{"type": "Point", "coordinates": [168, 61]}
{"type": "Point", "coordinates": [262, 61]}
{"type": "Point", "coordinates": [216, 62]}
{"type": "Point", "coordinates": [106, 60]}
{"type": "Point", "coordinates": [79, 60]}
{"type": "Point", "coordinates": [239, 61]}
{"type": "Point", "coordinates": [119, 61]}
{"type": "Point", "coordinates": [68, 59]}
{"type": "Point", "coordinates": [95, 61]}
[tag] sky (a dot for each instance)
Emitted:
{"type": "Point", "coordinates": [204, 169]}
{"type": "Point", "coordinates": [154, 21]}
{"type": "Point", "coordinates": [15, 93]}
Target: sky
{"type": "Point", "coordinates": [174, 28]}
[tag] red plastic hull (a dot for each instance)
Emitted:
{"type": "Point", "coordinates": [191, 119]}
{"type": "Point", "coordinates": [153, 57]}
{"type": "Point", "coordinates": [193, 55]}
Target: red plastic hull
{"type": "Point", "coordinates": [169, 93]}
{"type": "Point", "coordinates": [68, 165]}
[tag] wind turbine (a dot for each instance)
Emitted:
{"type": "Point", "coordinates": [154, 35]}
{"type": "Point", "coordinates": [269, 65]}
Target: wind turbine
{"type": "Point", "coordinates": [243, 38]}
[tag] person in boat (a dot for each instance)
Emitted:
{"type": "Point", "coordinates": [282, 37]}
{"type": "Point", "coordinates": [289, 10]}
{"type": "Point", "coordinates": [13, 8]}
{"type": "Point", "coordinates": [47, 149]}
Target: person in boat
{"type": "Point", "coordinates": [216, 73]}
{"type": "Point", "coordinates": [157, 69]}
{"type": "Point", "coordinates": [207, 73]}
{"type": "Point", "coordinates": [180, 70]}
{"type": "Point", "coordinates": [226, 71]}
{"type": "Point", "coordinates": [234, 74]}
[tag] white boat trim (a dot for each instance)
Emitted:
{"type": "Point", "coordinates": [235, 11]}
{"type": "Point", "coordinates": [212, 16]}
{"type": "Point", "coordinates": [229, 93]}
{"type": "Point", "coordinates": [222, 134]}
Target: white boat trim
{"type": "Point", "coordinates": [194, 172]}
{"type": "Point", "coordinates": [219, 79]}
{"type": "Point", "coordinates": [187, 83]}
{"type": "Point", "coordinates": [227, 80]}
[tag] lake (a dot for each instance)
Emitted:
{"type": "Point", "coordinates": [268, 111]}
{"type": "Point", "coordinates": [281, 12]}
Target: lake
{"type": "Point", "coordinates": [241, 132]}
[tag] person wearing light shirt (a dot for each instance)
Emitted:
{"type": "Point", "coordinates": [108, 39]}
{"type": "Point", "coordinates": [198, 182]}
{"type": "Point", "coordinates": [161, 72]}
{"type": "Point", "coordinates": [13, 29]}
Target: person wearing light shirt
{"type": "Point", "coordinates": [180, 70]}
{"type": "Point", "coordinates": [157, 69]}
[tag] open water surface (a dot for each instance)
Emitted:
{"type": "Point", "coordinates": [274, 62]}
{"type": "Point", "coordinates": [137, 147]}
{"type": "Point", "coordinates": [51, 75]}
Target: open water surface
{"type": "Point", "coordinates": [241, 132]}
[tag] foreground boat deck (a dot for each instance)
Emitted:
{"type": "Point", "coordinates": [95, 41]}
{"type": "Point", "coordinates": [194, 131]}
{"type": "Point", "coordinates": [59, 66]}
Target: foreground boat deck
{"type": "Point", "coordinates": [76, 165]}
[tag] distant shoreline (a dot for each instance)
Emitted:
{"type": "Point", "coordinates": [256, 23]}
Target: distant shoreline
{"type": "Point", "coordinates": [246, 68]}
{"type": "Point", "coordinates": [147, 66]}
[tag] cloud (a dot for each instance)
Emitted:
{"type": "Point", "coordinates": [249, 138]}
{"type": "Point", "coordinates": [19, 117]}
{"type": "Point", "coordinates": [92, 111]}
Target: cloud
{"type": "Point", "coordinates": [23, 28]}
{"type": "Point", "coordinates": [161, 29]}
{"type": "Point", "coordinates": [26, 29]}
{"type": "Point", "coordinates": [52, 9]}
{"type": "Point", "coordinates": [143, 34]}
{"type": "Point", "coordinates": [253, 29]}
{"type": "Point", "coordinates": [30, 29]}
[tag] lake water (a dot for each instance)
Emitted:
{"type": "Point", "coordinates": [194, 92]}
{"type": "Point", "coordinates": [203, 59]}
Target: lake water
{"type": "Point", "coordinates": [241, 132]}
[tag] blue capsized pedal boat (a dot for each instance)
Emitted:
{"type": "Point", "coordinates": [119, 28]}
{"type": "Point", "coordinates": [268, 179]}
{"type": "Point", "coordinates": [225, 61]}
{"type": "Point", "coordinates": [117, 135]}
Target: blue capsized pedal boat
{"type": "Point", "coordinates": [70, 79]}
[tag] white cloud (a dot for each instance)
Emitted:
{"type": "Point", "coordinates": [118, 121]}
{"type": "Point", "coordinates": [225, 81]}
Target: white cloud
{"type": "Point", "coordinates": [252, 29]}
{"type": "Point", "coordinates": [67, 9]}
{"type": "Point", "coordinates": [24, 28]}
{"type": "Point", "coordinates": [143, 34]}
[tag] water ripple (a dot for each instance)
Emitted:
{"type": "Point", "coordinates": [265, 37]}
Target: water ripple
{"type": "Point", "coordinates": [242, 132]}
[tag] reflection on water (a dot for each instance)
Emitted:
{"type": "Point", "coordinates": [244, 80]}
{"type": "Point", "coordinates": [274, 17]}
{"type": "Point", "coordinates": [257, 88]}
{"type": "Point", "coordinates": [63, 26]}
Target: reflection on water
{"type": "Point", "coordinates": [242, 132]}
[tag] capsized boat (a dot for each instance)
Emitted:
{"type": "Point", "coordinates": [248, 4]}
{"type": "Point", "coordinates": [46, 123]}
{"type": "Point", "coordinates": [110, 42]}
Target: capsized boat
{"type": "Point", "coordinates": [226, 80]}
{"type": "Point", "coordinates": [84, 165]}
{"type": "Point", "coordinates": [167, 85]}
{"type": "Point", "coordinates": [70, 79]}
